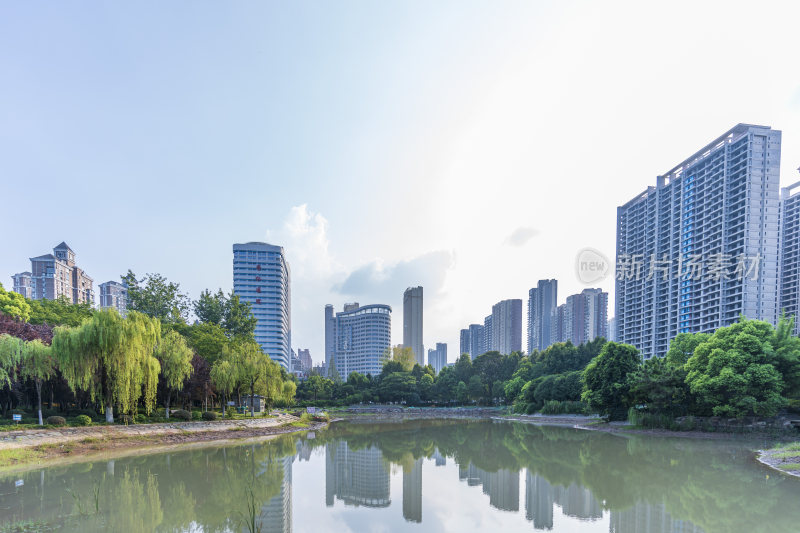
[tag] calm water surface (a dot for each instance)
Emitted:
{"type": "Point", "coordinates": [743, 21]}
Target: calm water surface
{"type": "Point", "coordinates": [420, 476]}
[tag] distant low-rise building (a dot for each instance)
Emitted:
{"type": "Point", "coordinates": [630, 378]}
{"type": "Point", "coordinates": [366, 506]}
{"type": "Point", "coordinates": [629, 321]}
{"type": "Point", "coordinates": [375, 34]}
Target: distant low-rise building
{"type": "Point", "coordinates": [114, 295]}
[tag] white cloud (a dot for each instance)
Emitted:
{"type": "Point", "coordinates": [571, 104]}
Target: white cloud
{"type": "Point", "coordinates": [521, 235]}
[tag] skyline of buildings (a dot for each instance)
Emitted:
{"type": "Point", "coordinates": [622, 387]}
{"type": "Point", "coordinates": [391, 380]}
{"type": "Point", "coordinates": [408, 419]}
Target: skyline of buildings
{"type": "Point", "coordinates": [722, 204]}
{"type": "Point", "coordinates": [412, 322]}
{"type": "Point", "coordinates": [261, 277]}
{"type": "Point", "coordinates": [700, 248]}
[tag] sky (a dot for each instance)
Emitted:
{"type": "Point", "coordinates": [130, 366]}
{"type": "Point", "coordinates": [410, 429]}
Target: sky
{"type": "Point", "coordinates": [469, 147]}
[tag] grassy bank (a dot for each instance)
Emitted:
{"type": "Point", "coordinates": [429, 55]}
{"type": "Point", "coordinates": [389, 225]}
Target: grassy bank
{"type": "Point", "coordinates": [783, 457]}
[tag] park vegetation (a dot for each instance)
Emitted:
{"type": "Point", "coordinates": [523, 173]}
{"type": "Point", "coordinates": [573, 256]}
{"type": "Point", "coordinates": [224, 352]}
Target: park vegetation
{"type": "Point", "coordinates": [62, 359]}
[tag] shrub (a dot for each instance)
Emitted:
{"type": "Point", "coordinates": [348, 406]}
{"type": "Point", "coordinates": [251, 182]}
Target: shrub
{"type": "Point", "coordinates": [83, 420]}
{"type": "Point", "coordinates": [197, 415]}
{"type": "Point", "coordinates": [554, 407]}
{"type": "Point", "coordinates": [181, 414]}
{"type": "Point", "coordinates": [650, 420]}
{"type": "Point", "coordinates": [125, 419]}
{"type": "Point", "coordinates": [140, 418]}
{"type": "Point", "coordinates": [209, 415]}
{"type": "Point", "coordinates": [55, 421]}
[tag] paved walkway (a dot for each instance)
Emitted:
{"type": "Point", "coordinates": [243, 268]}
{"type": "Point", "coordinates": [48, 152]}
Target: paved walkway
{"type": "Point", "coordinates": [36, 437]}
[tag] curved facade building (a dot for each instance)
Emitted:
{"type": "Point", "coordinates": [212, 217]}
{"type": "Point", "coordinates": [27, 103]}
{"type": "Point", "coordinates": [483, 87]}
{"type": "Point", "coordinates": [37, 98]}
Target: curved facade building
{"type": "Point", "coordinates": [362, 337]}
{"type": "Point", "coordinates": [261, 278]}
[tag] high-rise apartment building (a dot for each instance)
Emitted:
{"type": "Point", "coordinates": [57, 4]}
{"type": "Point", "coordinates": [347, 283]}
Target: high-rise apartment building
{"type": "Point", "coordinates": [790, 254]}
{"type": "Point", "coordinates": [506, 326]}
{"type": "Point", "coordinates": [488, 339]}
{"type": "Point", "coordinates": [542, 310]}
{"type": "Point", "coordinates": [114, 295]}
{"type": "Point", "coordinates": [438, 358]}
{"type": "Point", "coordinates": [412, 323]}
{"type": "Point", "coordinates": [261, 277]}
{"type": "Point", "coordinates": [55, 275]}
{"type": "Point", "coordinates": [362, 339]}
{"type": "Point", "coordinates": [477, 340]}
{"type": "Point", "coordinates": [463, 345]}
{"type": "Point", "coordinates": [330, 334]}
{"type": "Point", "coordinates": [700, 248]}
{"type": "Point", "coordinates": [584, 316]}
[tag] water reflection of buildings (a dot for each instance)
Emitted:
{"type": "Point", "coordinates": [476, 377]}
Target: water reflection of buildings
{"type": "Point", "coordinates": [276, 514]}
{"type": "Point", "coordinates": [440, 459]}
{"type": "Point", "coordinates": [412, 491]}
{"type": "Point", "coordinates": [502, 486]}
{"type": "Point", "coordinates": [648, 517]}
{"type": "Point", "coordinates": [574, 500]}
{"type": "Point", "coordinates": [356, 477]}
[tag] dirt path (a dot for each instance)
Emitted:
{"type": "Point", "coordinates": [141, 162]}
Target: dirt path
{"type": "Point", "coordinates": [45, 437]}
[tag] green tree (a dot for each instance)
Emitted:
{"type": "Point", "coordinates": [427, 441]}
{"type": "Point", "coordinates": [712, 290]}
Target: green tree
{"type": "Point", "coordinates": [661, 387]}
{"type": "Point", "coordinates": [223, 376]}
{"type": "Point", "coordinates": [207, 340]}
{"type": "Point", "coordinates": [239, 321]}
{"type": "Point", "coordinates": [112, 359]}
{"type": "Point", "coordinates": [210, 308]}
{"type": "Point", "coordinates": [605, 381]}
{"type": "Point", "coordinates": [156, 297]}
{"type": "Point", "coordinates": [59, 312]}
{"type": "Point", "coordinates": [175, 358]}
{"type": "Point", "coordinates": [38, 365]}
{"type": "Point", "coordinates": [682, 347]}
{"type": "Point", "coordinates": [461, 392]}
{"type": "Point", "coordinates": [317, 384]}
{"type": "Point", "coordinates": [14, 304]}
{"type": "Point", "coordinates": [398, 387]}
{"type": "Point", "coordinates": [475, 388]}
{"type": "Point", "coordinates": [733, 372]}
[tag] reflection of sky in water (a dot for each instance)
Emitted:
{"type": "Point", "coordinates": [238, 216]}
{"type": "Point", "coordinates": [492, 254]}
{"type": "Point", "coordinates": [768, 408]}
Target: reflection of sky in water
{"type": "Point", "coordinates": [421, 476]}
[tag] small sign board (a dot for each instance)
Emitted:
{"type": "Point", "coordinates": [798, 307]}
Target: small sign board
{"type": "Point", "coordinates": [19, 483]}
{"type": "Point", "coordinates": [16, 418]}
{"type": "Point", "coordinates": [311, 410]}
{"type": "Point", "coordinates": [231, 403]}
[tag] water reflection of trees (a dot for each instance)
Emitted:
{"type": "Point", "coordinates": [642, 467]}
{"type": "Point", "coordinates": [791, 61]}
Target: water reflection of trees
{"type": "Point", "coordinates": [204, 489]}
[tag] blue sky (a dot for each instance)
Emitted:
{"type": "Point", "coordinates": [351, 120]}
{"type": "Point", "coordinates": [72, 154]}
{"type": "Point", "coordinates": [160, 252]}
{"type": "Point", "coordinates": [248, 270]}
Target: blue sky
{"type": "Point", "coordinates": [471, 147]}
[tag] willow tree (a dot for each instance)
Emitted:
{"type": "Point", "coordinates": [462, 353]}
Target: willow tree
{"type": "Point", "coordinates": [11, 351]}
{"type": "Point", "coordinates": [37, 365]}
{"type": "Point", "coordinates": [252, 366]}
{"type": "Point", "coordinates": [112, 359]}
{"type": "Point", "coordinates": [224, 378]}
{"type": "Point", "coordinates": [175, 358]}
{"type": "Point", "coordinates": [273, 383]}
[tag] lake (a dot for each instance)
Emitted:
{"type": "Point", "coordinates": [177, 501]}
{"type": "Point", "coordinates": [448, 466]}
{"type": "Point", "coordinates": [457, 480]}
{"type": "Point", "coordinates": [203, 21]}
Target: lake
{"type": "Point", "coordinates": [420, 476]}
